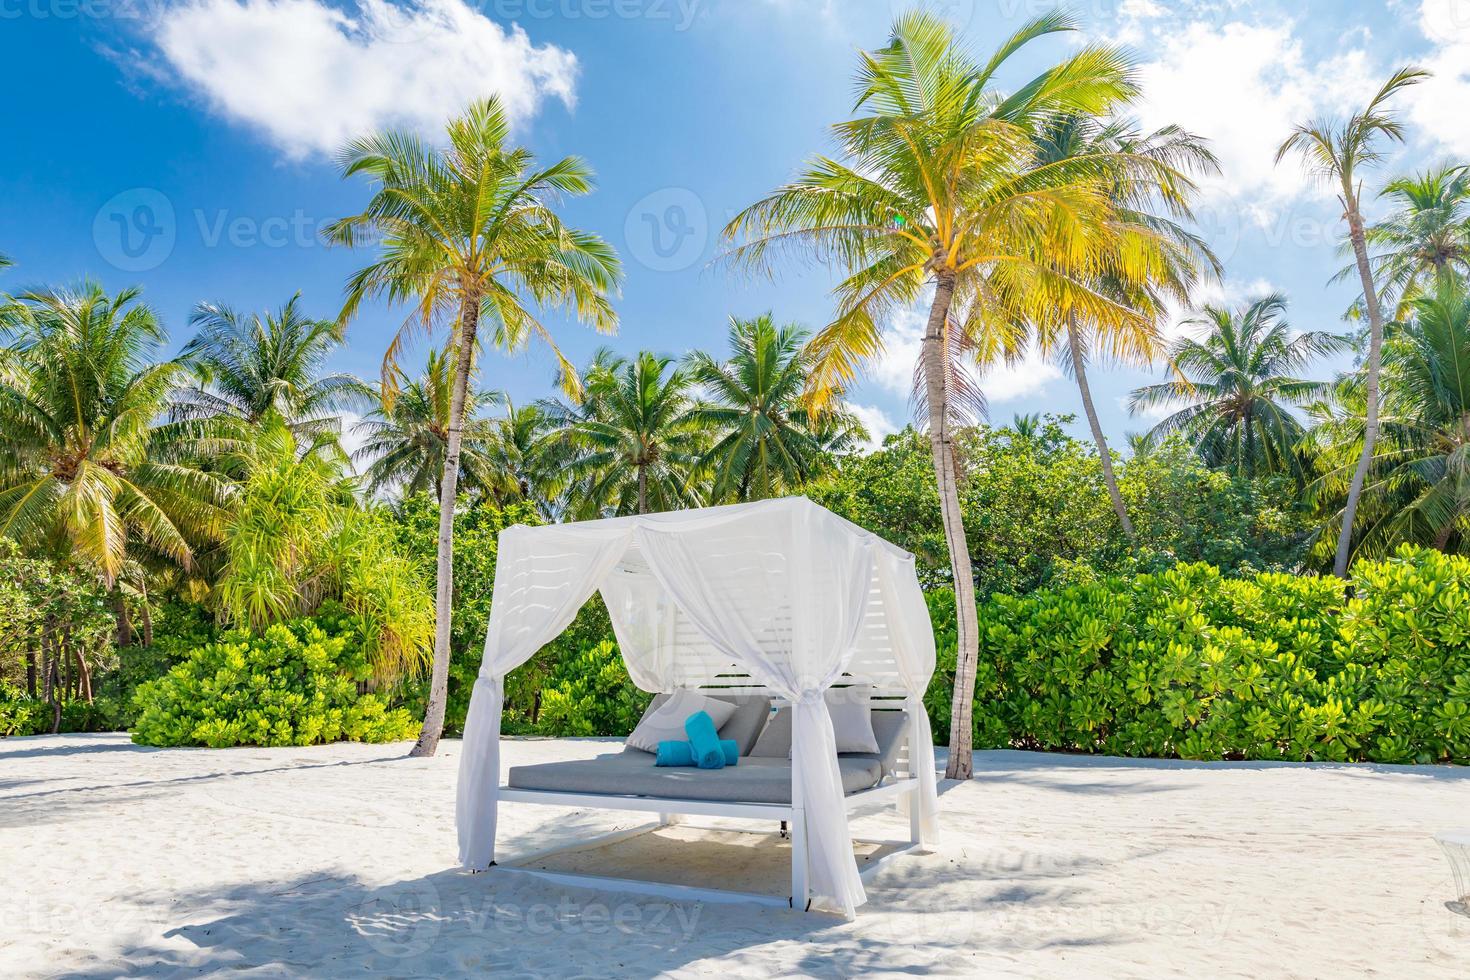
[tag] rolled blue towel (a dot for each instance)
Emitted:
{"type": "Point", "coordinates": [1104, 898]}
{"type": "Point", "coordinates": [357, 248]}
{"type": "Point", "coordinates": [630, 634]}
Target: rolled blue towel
{"type": "Point", "coordinates": [682, 753]}
{"type": "Point", "coordinates": [705, 741]}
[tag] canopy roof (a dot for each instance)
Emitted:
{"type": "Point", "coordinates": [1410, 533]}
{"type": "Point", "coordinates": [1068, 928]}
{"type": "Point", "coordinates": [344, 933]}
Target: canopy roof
{"type": "Point", "coordinates": [780, 594]}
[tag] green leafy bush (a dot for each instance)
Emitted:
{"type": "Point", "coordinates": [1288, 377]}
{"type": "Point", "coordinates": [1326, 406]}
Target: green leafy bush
{"type": "Point", "coordinates": [1189, 663]}
{"type": "Point", "coordinates": [21, 714]}
{"type": "Point", "coordinates": [298, 683]}
{"type": "Point", "coordinates": [590, 693]}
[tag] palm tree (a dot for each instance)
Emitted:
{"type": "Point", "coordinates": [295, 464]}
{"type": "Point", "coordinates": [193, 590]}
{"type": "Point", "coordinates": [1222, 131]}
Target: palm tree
{"type": "Point", "coordinates": [765, 433]}
{"type": "Point", "coordinates": [1338, 152]}
{"type": "Point", "coordinates": [939, 188]}
{"type": "Point", "coordinates": [1425, 238]}
{"type": "Point", "coordinates": [470, 234]}
{"type": "Point", "coordinates": [1419, 485]}
{"type": "Point", "coordinates": [248, 366]}
{"type": "Point", "coordinates": [85, 465]}
{"type": "Point", "coordinates": [406, 437]}
{"type": "Point", "coordinates": [1235, 385]}
{"type": "Point", "coordinates": [523, 466]}
{"type": "Point", "coordinates": [635, 444]}
{"type": "Point", "coordinates": [1147, 172]}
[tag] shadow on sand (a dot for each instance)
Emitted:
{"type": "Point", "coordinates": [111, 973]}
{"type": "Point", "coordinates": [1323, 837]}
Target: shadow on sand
{"type": "Point", "coordinates": [922, 918]}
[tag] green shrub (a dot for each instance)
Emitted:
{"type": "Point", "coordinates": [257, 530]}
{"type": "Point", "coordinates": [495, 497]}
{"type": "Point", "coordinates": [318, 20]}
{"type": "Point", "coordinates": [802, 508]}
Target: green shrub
{"type": "Point", "coordinates": [590, 693]}
{"type": "Point", "coordinates": [298, 683]}
{"type": "Point", "coordinates": [1189, 663]}
{"type": "Point", "coordinates": [21, 714]}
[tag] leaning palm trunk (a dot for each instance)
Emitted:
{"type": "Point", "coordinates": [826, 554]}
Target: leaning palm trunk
{"type": "Point", "coordinates": [1375, 361]}
{"type": "Point", "coordinates": [428, 741]}
{"type": "Point", "coordinates": [941, 442]}
{"type": "Point", "coordinates": [1079, 368]}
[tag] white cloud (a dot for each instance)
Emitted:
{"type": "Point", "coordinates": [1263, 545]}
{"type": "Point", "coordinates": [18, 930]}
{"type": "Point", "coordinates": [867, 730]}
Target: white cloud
{"type": "Point", "coordinates": [1009, 382]}
{"type": "Point", "coordinates": [1230, 292]}
{"type": "Point", "coordinates": [310, 76]}
{"type": "Point", "coordinates": [1437, 106]}
{"type": "Point", "coordinates": [352, 439]}
{"type": "Point", "coordinates": [1243, 86]}
{"type": "Point", "coordinates": [894, 369]}
{"type": "Point", "coordinates": [876, 421]}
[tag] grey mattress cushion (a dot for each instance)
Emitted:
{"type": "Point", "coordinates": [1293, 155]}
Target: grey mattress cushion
{"type": "Point", "coordinates": [742, 727]}
{"type": "Point", "coordinates": [634, 774]}
{"type": "Point", "coordinates": [888, 729]}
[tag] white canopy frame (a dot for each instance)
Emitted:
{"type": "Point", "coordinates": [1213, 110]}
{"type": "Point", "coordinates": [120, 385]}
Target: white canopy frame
{"type": "Point", "coordinates": [781, 596]}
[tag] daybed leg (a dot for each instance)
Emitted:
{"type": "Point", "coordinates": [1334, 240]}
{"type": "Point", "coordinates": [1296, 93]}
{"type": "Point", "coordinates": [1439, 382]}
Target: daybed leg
{"type": "Point", "coordinates": [915, 831]}
{"type": "Point", "coordinates": [667, 819]}
{"type": "Point", "coordinates": [798, 860]}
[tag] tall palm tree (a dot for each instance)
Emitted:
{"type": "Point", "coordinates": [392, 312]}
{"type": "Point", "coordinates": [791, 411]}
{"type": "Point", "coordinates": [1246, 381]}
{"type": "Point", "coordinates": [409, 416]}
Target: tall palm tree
{"type": "Point", "coordinates": [1338, 152]}
{"type": "Point", "coordinates": [250, 365]}
{"type": "Point", "coordinates": [1236, 384]}
{"type": "Point", "coordinates": [1425, 237]}
{"type": "Point", "coordinates": [765, 444]}
{"type": "Point", "coordinates": [85, 464]}
{"type": "Point", "coordinates": [470, 234]}
{"type": "Point", "coordinates": [1148, 173]}
{"type": "Point", "coordinates": [635, 444]}
{"type": "Point", "coordinates": [939, 188]}
{"type": "Point", "coordinates": [1419, 484]}
{"type": "Point", "coordinates": [406, 437]}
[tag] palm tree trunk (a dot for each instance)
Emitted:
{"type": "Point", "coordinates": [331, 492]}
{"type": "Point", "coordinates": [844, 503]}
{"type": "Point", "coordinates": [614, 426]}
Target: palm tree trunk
{"type": "Point", "coordinates": [428, 741]}
{"type": "Point", "coordinates": [120, 613]}
{"type": "Point", "coordinates": [1375, 361]}
{"type": "Point", "coordinates": [147, 617]}
{"type": "Point", "coordinates": [1079, 370]}
{"type": "Point", "coordinates": [941, 443]}
{"type": "Point", "coordinates": [642, 489]}
{"type": "Point", "coordinates": [30, 673]}
{"type": "Point", "coordinates": [84, 677]}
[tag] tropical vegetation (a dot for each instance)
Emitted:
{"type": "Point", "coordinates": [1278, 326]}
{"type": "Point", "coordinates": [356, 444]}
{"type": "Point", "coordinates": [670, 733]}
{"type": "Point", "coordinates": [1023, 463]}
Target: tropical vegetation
{"type": "Point", "coordinates": [241, 544]}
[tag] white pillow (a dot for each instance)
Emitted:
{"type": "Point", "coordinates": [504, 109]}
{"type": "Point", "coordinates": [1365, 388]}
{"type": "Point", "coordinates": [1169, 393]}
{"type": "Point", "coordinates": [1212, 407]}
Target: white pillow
{"type": "Point", "coordinates": [667, 723]}
{"type": "Point", "coordinates": [852, 717]}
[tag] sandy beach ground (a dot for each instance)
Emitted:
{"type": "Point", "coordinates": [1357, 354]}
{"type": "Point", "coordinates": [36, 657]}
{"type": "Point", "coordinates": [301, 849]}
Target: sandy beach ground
{"type": "Point", "coordinates": [119, 860]}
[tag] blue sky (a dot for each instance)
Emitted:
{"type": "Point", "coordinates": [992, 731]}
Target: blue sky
{"type": "Point", "coordinates": [185, 145]}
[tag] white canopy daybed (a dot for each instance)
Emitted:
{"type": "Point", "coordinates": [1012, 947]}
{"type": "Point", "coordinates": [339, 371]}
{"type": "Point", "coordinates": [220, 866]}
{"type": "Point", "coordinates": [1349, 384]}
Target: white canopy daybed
{"type": "Point", "coordinates": [779, 596]}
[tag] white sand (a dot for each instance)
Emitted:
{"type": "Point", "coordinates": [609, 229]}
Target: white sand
{"type": "Point", "coordinates": [327, 861]}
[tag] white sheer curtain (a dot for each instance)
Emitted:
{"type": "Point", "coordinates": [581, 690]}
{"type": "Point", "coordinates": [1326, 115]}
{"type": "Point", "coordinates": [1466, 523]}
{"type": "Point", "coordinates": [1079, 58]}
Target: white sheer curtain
{"type": "Point", "coordinates": [912, 636]}
{"type": "Point", "coordinates": [542, 578]}
{"type": "Point", "coordinates": [782, 592]}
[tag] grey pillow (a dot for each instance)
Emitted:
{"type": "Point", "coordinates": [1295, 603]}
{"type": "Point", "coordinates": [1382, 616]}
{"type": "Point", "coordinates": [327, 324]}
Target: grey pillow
{"type": "Point", "coordinates": [775, 741]}
{"type": "Point", "coordinates": [743, 725]}
{"type": "Point", "coordinates": [664, 720]}
{"type": "Point", "coordinates": [889, 729]}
